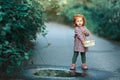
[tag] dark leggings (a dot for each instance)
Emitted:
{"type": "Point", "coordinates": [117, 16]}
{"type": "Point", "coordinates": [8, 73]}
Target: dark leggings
{"type": "Point", "coordinates": [83, 57]}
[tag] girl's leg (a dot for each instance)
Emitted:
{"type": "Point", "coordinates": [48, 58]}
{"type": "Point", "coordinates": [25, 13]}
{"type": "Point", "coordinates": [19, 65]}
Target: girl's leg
{"type": "Point", "coordinates": [83, 59]}
{"type": "Point", "coordinates": [74, 59]}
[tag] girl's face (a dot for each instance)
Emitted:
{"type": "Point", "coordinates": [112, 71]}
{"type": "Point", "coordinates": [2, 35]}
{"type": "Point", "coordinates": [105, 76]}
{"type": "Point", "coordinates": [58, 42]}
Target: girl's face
{"type": "Point", "coordinates": [79, 21]}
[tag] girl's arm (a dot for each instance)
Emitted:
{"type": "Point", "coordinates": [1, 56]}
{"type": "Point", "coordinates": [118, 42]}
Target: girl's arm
{"type": "Point", "coordinates": [86, 32]}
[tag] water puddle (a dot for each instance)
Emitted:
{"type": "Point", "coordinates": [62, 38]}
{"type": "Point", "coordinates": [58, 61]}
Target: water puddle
{"type": "Point", "coordinates": [63, 73]}
{"type": "Point", "coordinates": [59, 73]}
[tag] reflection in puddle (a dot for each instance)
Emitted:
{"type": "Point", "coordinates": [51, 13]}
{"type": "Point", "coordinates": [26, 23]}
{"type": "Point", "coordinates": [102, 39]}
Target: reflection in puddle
{"type": "Point", "coordinates": [78, 74]}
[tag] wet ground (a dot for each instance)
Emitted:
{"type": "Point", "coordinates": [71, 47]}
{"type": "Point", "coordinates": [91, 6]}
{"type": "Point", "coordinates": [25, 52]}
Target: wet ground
{"type": "Point", "coordinates": [56, 50]}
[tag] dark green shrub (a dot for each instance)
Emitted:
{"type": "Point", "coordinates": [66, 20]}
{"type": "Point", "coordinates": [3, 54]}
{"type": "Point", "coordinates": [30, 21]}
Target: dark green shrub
{"type": "Point", "coordinates": [108, 18]}
{"type": "Point", "coordinates": [76, 9]}
{"type": "Point", "coordinates": [102, 16]}
{"type": "Point", "coordinates": [20, 20]}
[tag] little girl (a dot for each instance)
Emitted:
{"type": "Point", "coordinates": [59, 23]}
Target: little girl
{"type": "Point", "coordinates": [80, 36]}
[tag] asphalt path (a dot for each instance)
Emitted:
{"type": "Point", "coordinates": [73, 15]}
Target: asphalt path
{"type": "Point", "coordinates": [56, 49]}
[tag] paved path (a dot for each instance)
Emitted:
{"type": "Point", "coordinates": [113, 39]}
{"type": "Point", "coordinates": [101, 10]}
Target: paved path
{"type": "Point", "coordinates": [104, 56]}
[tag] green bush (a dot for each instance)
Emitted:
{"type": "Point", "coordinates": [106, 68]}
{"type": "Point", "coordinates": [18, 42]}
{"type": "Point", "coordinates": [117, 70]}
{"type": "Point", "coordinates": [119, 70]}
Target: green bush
{"type": "Point", "coordinates": [51, 8]}
{"type": "Point", "coordinates": [76, 9]}
{"type": "Point", "coordinates": [108, 18]}
{"type": "Point", "coordinates": [20, 20]}
{"type": "Point", "coordinates": [79, 9]}
{"type": "Point", "coordinates": [102, 16]}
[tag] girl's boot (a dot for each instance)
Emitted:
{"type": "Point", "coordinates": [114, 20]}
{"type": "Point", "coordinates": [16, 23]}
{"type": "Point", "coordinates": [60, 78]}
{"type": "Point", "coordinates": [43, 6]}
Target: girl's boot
{"type": "Point", "coordinates": [73, 66]}
{"type": "Point", "coordinates": [84, 66]}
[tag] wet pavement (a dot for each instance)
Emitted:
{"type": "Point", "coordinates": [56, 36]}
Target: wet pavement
{"type": "Point", "coordinates": [91, 74]}
{"type": "Point", "coordinates": [56, 50]}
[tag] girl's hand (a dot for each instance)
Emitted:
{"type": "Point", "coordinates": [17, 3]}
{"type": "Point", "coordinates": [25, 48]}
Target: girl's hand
{"type": "Point", "coordinates": [83, 42]}
{"type": "Point", "coordinates": [86, 33]}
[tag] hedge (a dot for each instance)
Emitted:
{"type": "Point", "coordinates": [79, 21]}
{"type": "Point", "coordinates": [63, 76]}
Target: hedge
{"type": "Point", "coordinates": [20, 20]}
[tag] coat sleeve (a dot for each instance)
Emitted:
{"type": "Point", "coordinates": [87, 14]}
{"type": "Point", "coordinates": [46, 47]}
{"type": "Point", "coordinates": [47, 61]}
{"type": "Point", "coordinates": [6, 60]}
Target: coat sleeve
{"type": "Point", "coordinates": [87, 33]}
{"type": "Point", "coordinates": [79, 34]}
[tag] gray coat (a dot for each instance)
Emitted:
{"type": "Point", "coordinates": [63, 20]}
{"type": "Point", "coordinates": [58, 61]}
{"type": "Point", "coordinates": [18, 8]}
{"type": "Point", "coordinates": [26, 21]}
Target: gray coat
{"type": "Point", "coordinates": [80, 36]}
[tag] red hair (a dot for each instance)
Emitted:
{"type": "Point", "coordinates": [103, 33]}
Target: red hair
{"type": "Point", "coordinates": [78, 16]}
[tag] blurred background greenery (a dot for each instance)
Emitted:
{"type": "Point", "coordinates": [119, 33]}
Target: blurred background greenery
{"type": "Point", "coordinates": [103, 16]}
{"type": "Point", "coordinates": [21, 20]}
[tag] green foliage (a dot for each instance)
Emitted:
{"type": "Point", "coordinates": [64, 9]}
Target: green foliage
{"type": "Point", "coordinates": [76, 9]}
{"type": "Point", "coordinates": [52, 8]}
{"type": "Point", "coordinates": [102, 16]}
{"type": "Point", "coordinates": [108, 17]}
{"type": "Point", "coordinates": [20, 20]}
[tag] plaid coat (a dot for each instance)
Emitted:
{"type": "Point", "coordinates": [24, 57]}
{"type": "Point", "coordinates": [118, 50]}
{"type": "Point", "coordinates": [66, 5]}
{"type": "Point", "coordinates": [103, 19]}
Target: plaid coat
{"type": "Point", "coordinates": [80, 36]}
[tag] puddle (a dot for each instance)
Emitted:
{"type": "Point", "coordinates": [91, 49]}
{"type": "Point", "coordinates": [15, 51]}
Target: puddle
{"type": "Point", "coordinates": [63, 73]}
{"type": "Point", "coordinates": [59, 73]}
